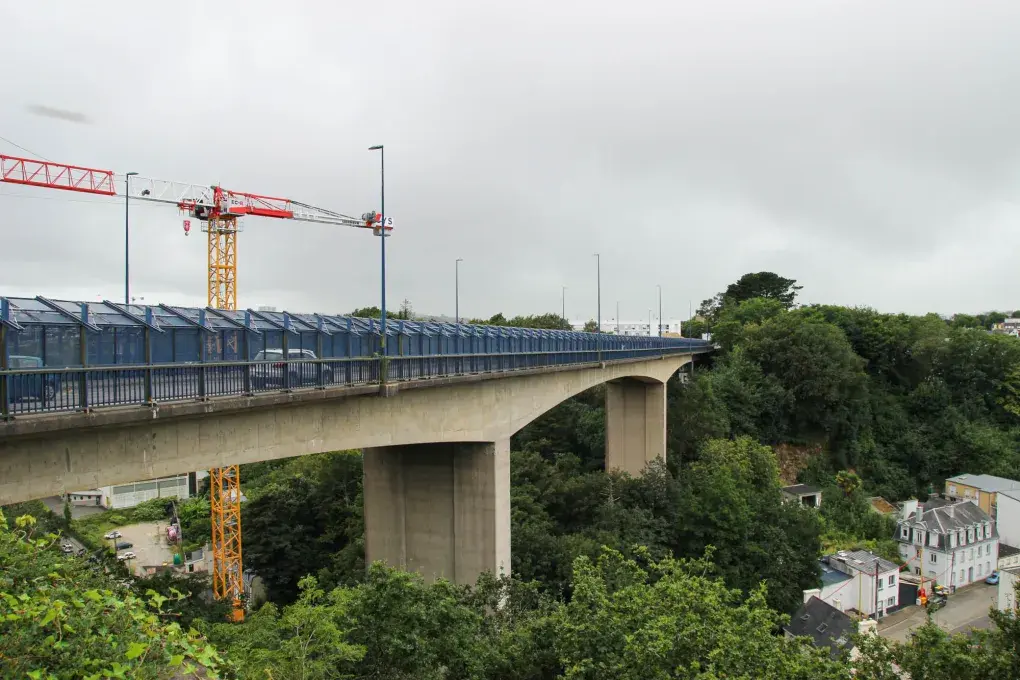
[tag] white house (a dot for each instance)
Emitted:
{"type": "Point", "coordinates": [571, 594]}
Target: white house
{"type": "Point", "coordinates": [951, 543]}
{"type": "Point", "coordinates": [858, 580]}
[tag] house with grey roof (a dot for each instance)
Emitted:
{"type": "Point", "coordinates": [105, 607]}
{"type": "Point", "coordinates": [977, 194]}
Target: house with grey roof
{"type": "Point", "coordinates": [826, 626]}
{"type": "Point", "coordinates": [982, 489]}
{"type": "Point", "coordinates": [810, 496]}
{"type": "Point", "coordinates": [858, 581]}
{"type": "Point", "coordinates": [951, 543]}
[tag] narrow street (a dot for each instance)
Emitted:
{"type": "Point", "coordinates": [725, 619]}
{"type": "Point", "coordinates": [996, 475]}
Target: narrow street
{"type": "Point", "coordinates": [966, 609]}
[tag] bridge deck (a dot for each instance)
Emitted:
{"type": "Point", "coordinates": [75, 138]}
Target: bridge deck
{"type": "Point", "coordinates": [60, 356]}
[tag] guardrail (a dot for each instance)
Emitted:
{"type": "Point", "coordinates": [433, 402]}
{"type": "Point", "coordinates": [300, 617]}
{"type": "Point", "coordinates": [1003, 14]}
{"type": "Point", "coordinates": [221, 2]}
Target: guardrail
{"type": "Point", "coordinates": [51, 390]}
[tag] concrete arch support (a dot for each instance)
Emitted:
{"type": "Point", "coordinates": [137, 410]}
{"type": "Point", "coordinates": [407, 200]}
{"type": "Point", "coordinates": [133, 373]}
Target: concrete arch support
{"type": "Point", "coordinates": [635, 424]}
{"type": "Point", "coordinates": [442, 510]}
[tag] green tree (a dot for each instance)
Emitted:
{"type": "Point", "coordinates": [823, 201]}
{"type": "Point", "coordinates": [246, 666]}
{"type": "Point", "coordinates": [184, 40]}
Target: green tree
{"type": "Point", "coordinates": [673, 620]}
{"type": "Point", "coordinates": [766, 285]}
{"type": "Point", "coordinates": [307, 640]}
{"type": "Point", "coordinates": [59, 618]}
{"type": "Point", "coordinates": [731, 500]}
{"type": "Point", "coordinates": [590, 326]}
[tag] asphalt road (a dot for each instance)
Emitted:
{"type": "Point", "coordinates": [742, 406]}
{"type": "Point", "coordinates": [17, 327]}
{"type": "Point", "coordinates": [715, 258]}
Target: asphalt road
{"type": "Point", "coordinates": [966, 609]}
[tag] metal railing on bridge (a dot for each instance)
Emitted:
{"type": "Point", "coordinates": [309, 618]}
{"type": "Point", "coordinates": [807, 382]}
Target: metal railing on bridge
{"type": "Point", "coordinates": [76, 356]}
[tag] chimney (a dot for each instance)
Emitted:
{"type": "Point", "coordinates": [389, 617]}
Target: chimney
{"type": "Point", "coordinates": [909, 508]}
{"type": "Point", "coordinates": [813, 592]}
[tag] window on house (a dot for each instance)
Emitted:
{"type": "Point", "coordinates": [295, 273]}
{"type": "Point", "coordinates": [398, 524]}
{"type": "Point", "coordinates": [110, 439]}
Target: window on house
{"type": "Point", "coordinates": [980, 567]}
{"type": "Point", "coordinates": [892, 580]}
{"type": "Point", "coordinates": [933, 558]}
{"type": "Point", "coordinates": [905, 533]}
{"type": "Point", "coordinates": [822, 628]}
{"type": "Point", "coordinates": [972, 553]}
{"type": "Point", "coordinates": [988, 567]}
{"type": "Point", "coordinates": [880, 585]}
{"type": "Point", "coordinates": [891, 602]}
{"type": "Point", "coordinates": [963, 575]}
{"type": "Point", "coordinates": [952, 489]}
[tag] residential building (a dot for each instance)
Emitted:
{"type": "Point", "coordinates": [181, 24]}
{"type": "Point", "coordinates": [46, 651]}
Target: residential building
{"type": "Point", "coordinates": [982, 489]}
{"type": "Point", "coordinates": [951, 543]}
{"type": "Point", "coordinates": [858, 581]}
{"type": "Point", "coordinates": [810, 496]}
{"type": "Point", "coordinates": [827, 626]}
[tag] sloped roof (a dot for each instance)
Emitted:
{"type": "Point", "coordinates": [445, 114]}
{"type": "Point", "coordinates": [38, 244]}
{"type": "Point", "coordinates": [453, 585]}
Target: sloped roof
{"type": "Point", "coordinates": [825, 625]}
{"type": "Point", "coordinates": [864, 561]}
{"type": "Point", "coordinates": [943, 518]}
{"type": "Point", "coordinates": [801, 489]}
{"type": "Point", "coordinates": [989, 483]}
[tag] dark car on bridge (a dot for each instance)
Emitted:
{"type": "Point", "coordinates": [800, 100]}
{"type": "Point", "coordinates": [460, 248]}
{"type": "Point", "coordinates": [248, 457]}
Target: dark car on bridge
{"type": "Point", "coordinates": [302, 369]}
{"type": "Point", "coordinates": [41, 386]}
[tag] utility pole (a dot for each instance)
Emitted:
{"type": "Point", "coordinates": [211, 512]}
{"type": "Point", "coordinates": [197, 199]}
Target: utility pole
{"type": "Point", "coordinates": [659, 286]}
{"type": "Point", "coordinates": [598, 274]}
{"type": "Point", "coordinates": [617, 317]}
{"type": "Point", "coordinates": [456, 289]}
{"type": "Point", "coordinates": [563, 303]}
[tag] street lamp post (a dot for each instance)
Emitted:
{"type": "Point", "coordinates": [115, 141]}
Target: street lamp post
{"type": "Point", "coordinates": [456, 288]}
{"type": "Point", "coordinates": [127, 239]}
{"type": "Point", "coordinates": [563, 303]}
{"type": "Point", "coordinates": [659, 286]}
{"type": "Point", "coordinates": [617, 317]}
{"type": "Point", "coordinates": [382, 241]}
{"type": "Point", "coordinates": [598, 328]}
{"type": "Point", "coordinates": [649, 323]}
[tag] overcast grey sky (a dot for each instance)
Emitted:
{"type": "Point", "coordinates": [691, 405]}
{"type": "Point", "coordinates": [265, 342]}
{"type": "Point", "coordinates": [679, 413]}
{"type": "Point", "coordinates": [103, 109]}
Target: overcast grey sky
{"type": "Point", "coordinates": [870, 150]}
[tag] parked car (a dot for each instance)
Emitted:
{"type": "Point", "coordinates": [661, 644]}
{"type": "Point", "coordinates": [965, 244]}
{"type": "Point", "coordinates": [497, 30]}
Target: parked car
{"type": "Point", "coordinates": [126, 556]}
{"type": "Point", "coordinates": [302, 369]}
{"type": "Point", "coordinates": [937, 602]}
{"type": "Point", "coordinates": [993, 578]}
{"type": "Point", "coordinates": [110, 535]}
{"type": "Point", "coordinates": [41, 386]}
{"type": "Point", "coordinates": [124, 545]}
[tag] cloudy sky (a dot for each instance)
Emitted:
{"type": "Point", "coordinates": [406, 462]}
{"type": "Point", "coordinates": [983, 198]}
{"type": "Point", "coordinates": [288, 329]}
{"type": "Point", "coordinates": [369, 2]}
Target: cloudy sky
{"type": "Point", "coordinates": [870, 150]}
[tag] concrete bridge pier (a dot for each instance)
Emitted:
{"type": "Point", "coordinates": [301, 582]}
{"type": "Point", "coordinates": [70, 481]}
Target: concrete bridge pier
{"type": "Point", "coordinates": [442, 510]}
{"type": "Point", "coordinates": [635, 424]}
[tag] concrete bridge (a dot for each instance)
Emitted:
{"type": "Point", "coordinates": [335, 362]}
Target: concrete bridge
{"type": "Point", "coordinates": [435, 432]}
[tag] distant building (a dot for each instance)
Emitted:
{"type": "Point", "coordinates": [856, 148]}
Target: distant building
{"type": "Point", "coordinates": [951, 543]}
{"type": "Point", "coordinates": [131, 494]}
{"type": "Point", "coordinates": [982, 489]}
{"type": "Point", "coordinates": [810, 496]}
{"type": "Point", "coordinates": [634, 327]}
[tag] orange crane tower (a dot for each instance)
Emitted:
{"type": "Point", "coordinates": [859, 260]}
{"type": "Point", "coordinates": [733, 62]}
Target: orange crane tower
{"type": "Point", "coordinates": [219, 211]}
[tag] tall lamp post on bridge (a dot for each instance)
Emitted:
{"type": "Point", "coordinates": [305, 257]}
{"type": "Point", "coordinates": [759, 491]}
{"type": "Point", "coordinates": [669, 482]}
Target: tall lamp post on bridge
{"type": "Point", "coordinates": [382, 242]}
{"type": "Point", "coordinates": [456, 289]}
{"type": "Point", "coordinates": [127, 239]}
{"type": "Point", "coordinates": [563, 303]}
{"type": "Point", "coordinates": [659, 286]}
{"type": "Point", "coordinates": [598, 328]}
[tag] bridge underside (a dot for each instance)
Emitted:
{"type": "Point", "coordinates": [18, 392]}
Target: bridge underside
{"type": "Point", "coordinates": [437, 485]}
